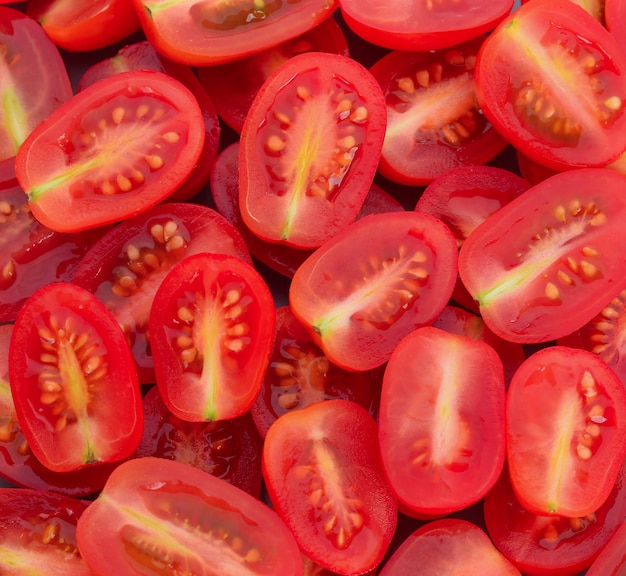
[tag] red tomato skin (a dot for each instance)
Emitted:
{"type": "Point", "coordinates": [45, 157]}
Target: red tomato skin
{"type": "Point", "coordinates": [351, 464]}
{"type": "Point", "coordinates": [208, 388]}
{"type": "Point", "coordinates": [567, 380]}
{"type": "Point", "coordinates": [439, 384]}
{"type": "Point", "coordinates": [41, 157]}
{"type": "Point", "coordinates": [112, 532]}
{"type": "Point", "coordinates": [92, 434]}
{"type": "Point", "coordinates": [525, 299]}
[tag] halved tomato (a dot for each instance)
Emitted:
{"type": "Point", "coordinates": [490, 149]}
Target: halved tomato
{"type": "Point", "coordinates": [612, 560]}
{"type": "Point", "coordinates": [545, 264]}
{"type": "Point", "coordinates": [73, 380]}
{"type": "Point", "coordinates": [212, 326]}
{"type": "Point", "coordinates": [114, 150]}
{"type": "Point", "coordinates": [157, 516]}
{"type": "Point", "coordinates": [565, 451]}
{"type": "Point", "coordinates": [309, 149]}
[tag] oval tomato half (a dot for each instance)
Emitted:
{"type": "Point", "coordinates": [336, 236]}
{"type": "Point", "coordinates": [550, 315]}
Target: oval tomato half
{"type": "Point", "coordinates": [545, 264]}
{"type": "Point", "coordinates": [157, 517]}
{"type": "Point", "coordinates": [309, 149]}
{"type": "Point", "coordinates": [212, 326]}
{"type": "Point", "coordinates": [73, 380]}
{"type": "Point", "coordinates": [114, 150]}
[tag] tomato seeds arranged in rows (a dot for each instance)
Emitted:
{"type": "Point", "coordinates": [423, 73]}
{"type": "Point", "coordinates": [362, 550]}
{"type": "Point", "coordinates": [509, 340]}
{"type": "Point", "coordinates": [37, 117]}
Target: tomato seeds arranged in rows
{"type": "Point", "coordinates": [314, 287]}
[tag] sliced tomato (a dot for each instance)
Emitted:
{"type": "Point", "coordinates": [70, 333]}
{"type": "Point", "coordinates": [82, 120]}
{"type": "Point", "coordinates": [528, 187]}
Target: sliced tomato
{"type": "Point", "coordinates": [114, 150]}
{"type": "Point", "coordinates": [212, 325]}
{"type": "Point", "coordinates": [434, 123]}
{"type": "Point", "coordinates": [552, 80]}
{"type": "Point", "coordinates": [615, 17]}
{"type": "Point", "coordinates": [143, 56]}
{"type": "Point", "coordinates": [127, 265]}
{"type": "Point", "coordinates": [158, 516]}
{"type": "Point", "coordinates": [545, 264]}
{"type": "Point", "coordinates": [299, 374]}
{"type": "Point", "coordinates": [612, 560]}
{"type": "Point", "coordinates": [82, 25]}
{"type": "Point", "coordinates": [38, 533]}
{"type": "Point", "coordinates": [422, 26]}
{"type": "Point", "coordinates": [228, 449]}
{"type": "Point", "coordinates": [209, 32]}
{"type": "Point", "coordinates": [234, 85]}
{"type": "Point", "coordinates": [565, 452]}
{"type": "Point", "coordinates": [324, 478]}
{"type": "Point", "coordinates": [551, 545]}
{"type": "Point", "coordinates": [442, 421]}
{"type": "Point", "coordinates": [33, 79]}
{"type": "Point", "coordinates": [439, 546]}
{"type": "Point", "coordinates": [73, 380]}
{"type": "Point", "coordinates": [399, 275]}
{"type": "Point", "coordinates": [309, 149]}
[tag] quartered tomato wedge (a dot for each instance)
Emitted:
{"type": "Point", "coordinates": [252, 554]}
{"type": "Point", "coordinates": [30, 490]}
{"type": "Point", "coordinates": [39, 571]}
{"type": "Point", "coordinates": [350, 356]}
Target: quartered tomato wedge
{"type": "Point", "coordinates": [552, 80]}
{"type": "Point", "coordinates": [73, 380]}
{"type": "Point", "coordinates": [566, 421]}
{"type": "Point", "coordinates": [545, 264]}
{"type": "Point", "coordinates": [114, 150]}
{"type": "Point", "coordinates": [157, 516]}
{"type": "Point", "coordinates": [309, 149]}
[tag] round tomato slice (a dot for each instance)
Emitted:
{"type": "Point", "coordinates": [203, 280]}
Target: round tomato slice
{"type": "Point", "coordinates": [206, 32]}
{"type": "Point", "coordinates": [375, 282]}
{"type": "Point", "coordinates": [73, 380]}
{"type": "Point", "coordinates": [324, 478]}
{"type": "Point", "coordinates": [310, 146]}
{"type": "Point", "coordinates": [552, 80]}
{"type": "Point", "coordinates": [114, 150]}
{"type": "Point", "coordinates": [565, 451]}
{"type": "Point", "coordinates": [212, 326]}
{"type": "Point", "coordinates": [156, 517]}
{"type": "Point", "coordinates": [545, 264]}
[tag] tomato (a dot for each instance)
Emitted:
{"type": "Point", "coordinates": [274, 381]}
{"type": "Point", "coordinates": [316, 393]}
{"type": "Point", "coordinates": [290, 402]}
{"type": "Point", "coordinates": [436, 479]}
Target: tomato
{"type": "Point", "coordinates": [324, 478]}
{"type": "Point", "coordinates": [440, 545]}
{"type": "Point", "coordinates": [398, 277]}
{"type": "Point", "coordinates": [33, 79]}
{"type": "Point", "coordinates": [207, 32]}
{"type": "Point", "coordinates": [309, 149]}
{"type": "Point", "coordinates": [31, 255]}
{"type": "Point", "coordinates": [38, 534]}
{"type": "Point", "coordinates": [615, 12]}
{"type": "Point", "coordinates": [111, 152]}
{"type": "Point", "coordinates": [82, 25]}
{"type": "Point", "coordinates": [422, 26]}
{"type": "Point", "coordinates": [211, 327]}
{"type": "Point", "coordinates": [73, 380]}
{"type": "Point", "coordinates": [552, 80]}
{"type": "Point", "coordinates": [18, 465]}
{"type": "Point", "coordinates": [545, 264]}
{"type": "Point", "coordinates": [565, 452]}
{"type": "Point", "coordinates": [142, 56]}
{"type": "Point", "coordinates": [433, 121]}
{"type": "Point", "coordinates": [157, 516]}
{"type": "Point", "coordinates": [612, 560]}
{"type": "Point", "coordinates": [233, 86]}
{"type": "Point", "coordinates": [126, 266]}
{"type": "Point", "coordinates": [299, 374]}
{"type": "Point", "coordinates": [228, 449]}
{"type": "Point", "coordinates": [551, 545]}
{"type": "Point", "coordinates": [442, 421]}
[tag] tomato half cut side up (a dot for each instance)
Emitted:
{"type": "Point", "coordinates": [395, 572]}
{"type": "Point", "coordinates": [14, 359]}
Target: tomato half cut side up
{"type": "Point", "coordinates": [552, 80]}
{"type": "Point", "coordinates": [155, 513]}
{"type": "Point", "coordinates": [565, 451]}
{"type": "Point", "coordinates": [73, 380]}
{"type": "Point", "coordinates": [323, 473]}
{"type": "Point", "coordinates": [544, 274]}
{"type": "Point", "coordinates": [114, 150]}
{"type": "Point", "coordinates": [309, 149]}
{"type": "Point", "coordinates": [399, 276]}
{"type": "Point", "coordinates": [211, 326]}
